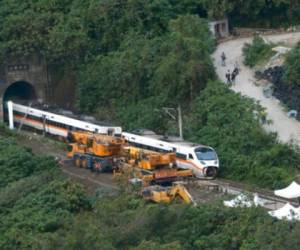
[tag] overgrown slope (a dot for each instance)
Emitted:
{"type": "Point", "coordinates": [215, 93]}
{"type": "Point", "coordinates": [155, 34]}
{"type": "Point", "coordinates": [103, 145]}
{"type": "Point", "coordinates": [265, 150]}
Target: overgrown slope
{"type": "Point", "coordinates": [42, 209]}
{"type": "Point", "coordinates": [35, 198]}
{"type": "Point", "coordinates": [232, 124]}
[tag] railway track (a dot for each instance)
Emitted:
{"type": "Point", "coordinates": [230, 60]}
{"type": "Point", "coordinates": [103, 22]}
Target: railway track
{"type": "Point", "coordinates": [271, 201]}
{"type": "Point", "coordinates": [220, 186]}
{"type": "Point", "coordinates": [105, 180]}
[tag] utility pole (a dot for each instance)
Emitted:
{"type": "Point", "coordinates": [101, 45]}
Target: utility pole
{"type": "Point", "coordinates": [44, 125]}
{"type": "Point", "coordinates": [180, 122]}
{"type": "Point", "coordinates": [168, 111]}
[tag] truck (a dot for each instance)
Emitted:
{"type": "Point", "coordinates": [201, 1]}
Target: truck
{"type": "Point", "coordinates": [94, 151]}
{"type": "Point", "coordinates": [104, 153]}
{"type": "Point", "coordinates": [154, 167]}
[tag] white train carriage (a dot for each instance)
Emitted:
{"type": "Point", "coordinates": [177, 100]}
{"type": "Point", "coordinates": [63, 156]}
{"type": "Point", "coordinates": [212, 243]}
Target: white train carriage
{"type": "Point", "coordinates": [55, 124]}
{"type": "Point", "coordinates": [202, 159]}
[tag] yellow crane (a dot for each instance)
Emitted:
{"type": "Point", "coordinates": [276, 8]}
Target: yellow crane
{"type": "Point", "coordinates": [148, 159]}
{"type": "Point", "coordinates": [94, 151]}
{"type": "Point", "coordinates": [154, 167]}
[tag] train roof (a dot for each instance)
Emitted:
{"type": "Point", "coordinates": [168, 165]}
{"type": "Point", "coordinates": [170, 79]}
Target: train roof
{"type": "Point", "coordinates": [169, 139]}
{"type": "Point", "coordinates": [68, 113]}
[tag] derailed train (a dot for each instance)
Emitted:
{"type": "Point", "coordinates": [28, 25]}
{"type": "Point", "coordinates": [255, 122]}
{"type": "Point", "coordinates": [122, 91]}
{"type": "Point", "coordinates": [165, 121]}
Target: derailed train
{"type": "Point", "coordinates": [202, 159]}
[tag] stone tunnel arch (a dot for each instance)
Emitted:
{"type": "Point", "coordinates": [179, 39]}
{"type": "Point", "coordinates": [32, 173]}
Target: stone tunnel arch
{"type": "Point", "coordinates": [20, 92]}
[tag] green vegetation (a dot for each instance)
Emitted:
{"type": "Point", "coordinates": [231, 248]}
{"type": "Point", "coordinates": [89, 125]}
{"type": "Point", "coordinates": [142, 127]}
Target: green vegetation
{"type": "Point", "coordinates": [292, 67]}
{"type": "Point", "coordinates": [226, 121]}
{"type": "Point", "coordinates": [35, 198]}
{"type": "Point", "coordinates": [149, 73]}
{"type": "Point", "coordinates": [126, 223]}
{"type": "Point", "coordinates": [131, 58]}
{"type": "Point", "coordinates": [256, 52]}
{"type": "Point", "coordinates": [42, 209]}
{"type": "Point", "coordinates": [10, 163]}
{"type": "Point", "coordinates": [73, 32]}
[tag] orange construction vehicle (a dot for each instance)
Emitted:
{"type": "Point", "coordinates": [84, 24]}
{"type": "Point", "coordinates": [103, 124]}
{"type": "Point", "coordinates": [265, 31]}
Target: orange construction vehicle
{"type": "Point", "coordinates": [94, 151]}
{"type": "Point", "coordinates": [147, 159]}
{"type": "Point", "coordinates": [161, 194]}
{"type": "Point", "coordinates": [154, 167]}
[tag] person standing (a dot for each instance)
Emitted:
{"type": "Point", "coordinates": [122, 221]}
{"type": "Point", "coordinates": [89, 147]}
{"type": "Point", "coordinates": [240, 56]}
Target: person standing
{"type": "Point", "coordinates": [233, 76]}
{"type": "Point", "coordinates": [228, 77]}
{"type": "Point", "coordinates": [236, 67]}
{"type": "Point", "coordinates": [235, 71]}
{"type": "Point", "coordinates": [223, 59]}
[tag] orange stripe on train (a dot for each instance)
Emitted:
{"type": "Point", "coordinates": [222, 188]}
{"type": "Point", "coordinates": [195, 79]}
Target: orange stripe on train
{"type": "Point", "coordinates": [189, 162]}
{"type": "Point", "coordinates": [40, 123]}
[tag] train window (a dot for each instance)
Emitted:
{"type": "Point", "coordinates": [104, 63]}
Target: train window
{"type": "Point", "coordinates": [191, 156]}
{"type": "Point", "coordinates": [181, 156]}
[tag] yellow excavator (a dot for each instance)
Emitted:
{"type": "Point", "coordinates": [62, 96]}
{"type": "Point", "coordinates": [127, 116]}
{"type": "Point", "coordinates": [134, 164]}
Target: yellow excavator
{"type": "Point", "coordinates": [160, 194]}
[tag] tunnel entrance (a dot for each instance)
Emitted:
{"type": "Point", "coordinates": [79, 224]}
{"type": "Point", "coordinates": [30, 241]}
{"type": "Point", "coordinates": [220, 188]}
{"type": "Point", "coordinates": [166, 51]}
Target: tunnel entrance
{"type": "Point", "coordinates": [20, 92]}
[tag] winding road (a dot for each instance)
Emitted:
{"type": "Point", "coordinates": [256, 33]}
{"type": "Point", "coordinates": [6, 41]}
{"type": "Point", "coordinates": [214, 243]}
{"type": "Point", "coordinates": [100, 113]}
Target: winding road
{"type": "Point", "coordinates": [287, 128]}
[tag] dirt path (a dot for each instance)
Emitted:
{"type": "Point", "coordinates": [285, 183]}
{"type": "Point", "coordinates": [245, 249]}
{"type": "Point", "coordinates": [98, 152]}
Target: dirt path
{"type": "Point", "coordinates": [286, 128]}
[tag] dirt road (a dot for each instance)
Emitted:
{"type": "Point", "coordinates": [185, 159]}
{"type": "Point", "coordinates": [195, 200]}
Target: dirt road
{"type": "Point", "coordinates": [286, 128]}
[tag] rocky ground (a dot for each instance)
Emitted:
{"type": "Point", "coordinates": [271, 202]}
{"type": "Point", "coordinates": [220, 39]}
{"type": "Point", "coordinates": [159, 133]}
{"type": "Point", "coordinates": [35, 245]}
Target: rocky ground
{"type": "Point", "coordinates": [287, 128]}
{"type": "Point", "coordinates": [287, 94]}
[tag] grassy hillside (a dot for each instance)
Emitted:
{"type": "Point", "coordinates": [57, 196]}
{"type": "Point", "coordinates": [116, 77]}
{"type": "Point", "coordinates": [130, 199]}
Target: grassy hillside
{"type": "Point", "coordinates": [130, 59]}
{"type": "Point", "coordinates": [40, 208]}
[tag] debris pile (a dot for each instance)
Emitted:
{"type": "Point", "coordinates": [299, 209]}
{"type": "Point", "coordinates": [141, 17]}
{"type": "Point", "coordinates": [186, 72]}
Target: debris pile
{"type": "Point", "coordinates": [287, 94]}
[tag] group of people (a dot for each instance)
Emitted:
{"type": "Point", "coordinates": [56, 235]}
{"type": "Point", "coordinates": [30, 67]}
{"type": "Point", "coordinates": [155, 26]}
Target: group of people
{"type": "Point", "coordinates": [230, 76]}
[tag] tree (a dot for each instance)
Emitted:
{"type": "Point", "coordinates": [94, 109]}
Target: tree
{"type": "Point", "coordinates": [292, 67]}
{"type": "Point", "coordinates": [226, 121]}
{"type": "Point", "coordinates": [257, 51]}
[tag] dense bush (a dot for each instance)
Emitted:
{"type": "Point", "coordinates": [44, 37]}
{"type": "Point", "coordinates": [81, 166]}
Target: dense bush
{"type": "Point", "coordinates": [226, 121]}
{"type": "Point", "coordinates": [257, 51]}
{"type": "Point", "coordinates": [44, 210]}
{"type": "Point", "coordinates": [292, 67]}
{"type": "Point", "coordinates": [124, 223]}
{"type": "Point", "coordinates": [132, 58]}
{"type": "Point", "coordinates": [34, 197]}
{"type": "Point", "coordinates": [17, 162]}
{"type": "Point", "coordinates": [173, 68]}
{"type": "Point", "coordinates": [71, 30]}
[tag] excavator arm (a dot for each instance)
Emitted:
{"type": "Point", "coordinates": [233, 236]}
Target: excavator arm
{"type": "Point", "coordinates": [161, 194]}
{"type": "Point", "coordinates": [181, 191]}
